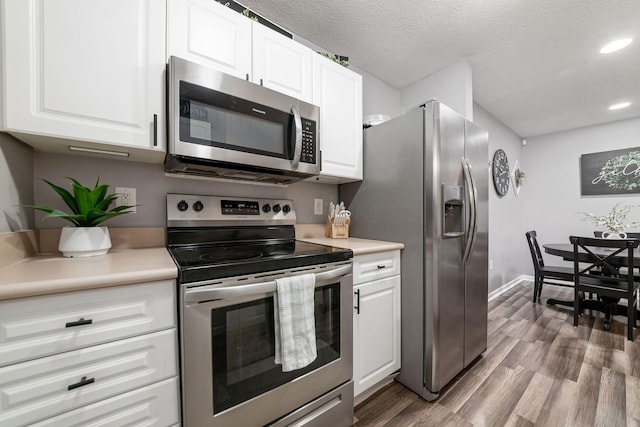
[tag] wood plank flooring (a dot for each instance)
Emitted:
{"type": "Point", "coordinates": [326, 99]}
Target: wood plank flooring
{"type": "Point", "coordinates": [538, 370]}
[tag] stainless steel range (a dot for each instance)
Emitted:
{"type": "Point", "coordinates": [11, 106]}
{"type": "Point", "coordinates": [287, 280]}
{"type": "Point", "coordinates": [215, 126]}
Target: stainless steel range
{"type": "Point", "coordinates": [229, 253]}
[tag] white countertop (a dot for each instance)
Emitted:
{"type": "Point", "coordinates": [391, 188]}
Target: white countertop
{"type": "Point", "coordinates": [357, 245]}
{"type": "Point", "coordinates": [52, 273]}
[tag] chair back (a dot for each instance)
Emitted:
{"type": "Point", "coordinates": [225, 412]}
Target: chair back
{"type": "Point", "coordinates": [630, 235]}
{"type": "Point", "coordinates": [536, 255]}
{"type": "Point", "coordinates": [598, 255]}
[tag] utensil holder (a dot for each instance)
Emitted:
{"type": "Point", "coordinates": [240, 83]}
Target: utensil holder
{"type": "Point", "coordinates": [337, 231]}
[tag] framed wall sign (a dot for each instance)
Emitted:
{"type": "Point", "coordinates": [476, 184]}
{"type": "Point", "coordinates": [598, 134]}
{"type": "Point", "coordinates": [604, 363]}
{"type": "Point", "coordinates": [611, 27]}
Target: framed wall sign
{"type": "Point", "coordinates": [610, 172]}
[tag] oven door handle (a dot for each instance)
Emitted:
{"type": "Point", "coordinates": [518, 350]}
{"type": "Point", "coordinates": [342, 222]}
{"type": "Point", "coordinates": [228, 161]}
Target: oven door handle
{"type": "Point", "coordinates": [193, 296]}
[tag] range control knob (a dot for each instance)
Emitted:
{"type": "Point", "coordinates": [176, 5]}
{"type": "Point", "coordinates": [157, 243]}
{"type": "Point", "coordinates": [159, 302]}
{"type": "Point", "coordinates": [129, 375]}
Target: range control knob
{"type": "Point", "coordinates": [183, 206]}
{"type": "Point", "coordinates": [276, 208]}
{"type": "Point", "coordinates": [198, 206]}
{"type": "Point", "coordinates": [266, 208]}
{"type": "Point", "coordinates": [286, 209]}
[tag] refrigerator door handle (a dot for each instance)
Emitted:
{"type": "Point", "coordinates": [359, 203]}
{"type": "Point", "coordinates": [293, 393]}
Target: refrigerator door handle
{"type": "Point", "coordinates": [473, 205]}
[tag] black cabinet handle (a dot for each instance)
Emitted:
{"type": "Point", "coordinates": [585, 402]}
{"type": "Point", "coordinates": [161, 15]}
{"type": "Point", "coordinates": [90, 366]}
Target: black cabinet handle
{"type": "Point", "coordinates": [80, 322]}
{"type": "Point", "coordinates": [260, 82]}
{"type": "Point", "coordinates": [380, 267]}
{"type": "Point", "coordinates": [247, 77]}
{"type": "Point", "coordinates": [84, 381]}
{"type": "Point", "coordinates": [357, 306]}
{"type": "Point", "coordinates": [155, 130]}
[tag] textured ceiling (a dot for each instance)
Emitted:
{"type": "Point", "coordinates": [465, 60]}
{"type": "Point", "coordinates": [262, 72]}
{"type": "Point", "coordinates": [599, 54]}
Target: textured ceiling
{"type": "Point", "coordinates": [536, 65]}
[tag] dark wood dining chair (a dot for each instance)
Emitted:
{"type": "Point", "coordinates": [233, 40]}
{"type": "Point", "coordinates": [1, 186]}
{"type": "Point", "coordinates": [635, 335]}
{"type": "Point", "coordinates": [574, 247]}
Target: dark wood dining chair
{"type": "Point", "coordinates": [542, 273]}
{"type": "Point", "coordinates": [630, 235]}
{"type": "Point", "coordinates": [609, 285]}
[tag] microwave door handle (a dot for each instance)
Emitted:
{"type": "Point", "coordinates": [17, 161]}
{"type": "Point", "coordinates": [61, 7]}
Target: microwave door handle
{"type": "Point", "coordinates": [297, 151]}
{"type": "Point", "coordinates": [199, 295]}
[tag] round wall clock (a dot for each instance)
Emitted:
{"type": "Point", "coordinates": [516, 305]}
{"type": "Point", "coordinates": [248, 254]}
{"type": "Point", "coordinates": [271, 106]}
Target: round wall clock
{"type": "Point", "coordinates": [500, 171]}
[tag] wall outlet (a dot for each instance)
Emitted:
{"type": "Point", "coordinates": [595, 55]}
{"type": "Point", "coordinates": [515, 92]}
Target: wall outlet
{"type": "Point", "coordinates": [126, 197]}
{"type": "Point", "coordinates": [318, 206]}
{"type": "Point", "coordinates": [490, 264]}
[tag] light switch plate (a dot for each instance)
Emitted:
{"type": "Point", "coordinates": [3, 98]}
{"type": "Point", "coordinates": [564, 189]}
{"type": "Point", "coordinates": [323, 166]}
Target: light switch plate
{"type": "Point", "coordinates": [318, 206]}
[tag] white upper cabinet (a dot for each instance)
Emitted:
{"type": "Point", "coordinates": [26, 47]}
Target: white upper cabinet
{"type": "Point", "coordinates": [86, 74]}
{"type": "Point", "coordinates": [282, 64]}
{"type": "Point", "coordinates": [210, 34]}
{"type": "Point", "coordinates": [338, 92]}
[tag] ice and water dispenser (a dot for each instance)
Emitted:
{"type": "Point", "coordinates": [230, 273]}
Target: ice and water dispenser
{"type": "Point", "coordinates": [452, 211]}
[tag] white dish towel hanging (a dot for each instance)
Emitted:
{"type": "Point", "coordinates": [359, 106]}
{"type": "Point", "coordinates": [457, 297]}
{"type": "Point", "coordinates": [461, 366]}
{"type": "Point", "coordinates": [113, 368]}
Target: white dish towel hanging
{"type": "Point", "coordinates": [295, 329]}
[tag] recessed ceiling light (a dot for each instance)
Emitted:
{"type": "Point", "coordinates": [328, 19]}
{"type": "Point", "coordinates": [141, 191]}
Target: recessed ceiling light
{"type": "Point", "coordinates": [619, 106]}
{"type": "Point", "coordinates": [616, 45]}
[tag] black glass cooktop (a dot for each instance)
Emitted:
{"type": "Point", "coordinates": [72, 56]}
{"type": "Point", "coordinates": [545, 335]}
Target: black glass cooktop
{"type": "Point", "coordinates": [205, 262]}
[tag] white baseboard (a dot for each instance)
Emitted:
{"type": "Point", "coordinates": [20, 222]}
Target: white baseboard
{"type": "Point", "coordinates": [504, 288]}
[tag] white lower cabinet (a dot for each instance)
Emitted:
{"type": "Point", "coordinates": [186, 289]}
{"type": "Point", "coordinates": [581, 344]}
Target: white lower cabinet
{"type": "Point", "coordinates": [376, 321]}
{"type": "Point", "coordinates": [85, 382]}
{"type": "Point", "coordinates": [154, 405]}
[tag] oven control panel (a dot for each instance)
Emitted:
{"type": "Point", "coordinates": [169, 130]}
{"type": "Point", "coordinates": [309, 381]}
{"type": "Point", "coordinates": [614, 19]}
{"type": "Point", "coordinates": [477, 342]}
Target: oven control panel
{"type": "Point", "coordinates": [191, 210]}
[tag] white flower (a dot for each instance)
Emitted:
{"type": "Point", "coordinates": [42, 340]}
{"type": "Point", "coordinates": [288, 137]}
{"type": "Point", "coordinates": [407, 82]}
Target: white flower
{"type": "Point", "coordinates": [614, 220]}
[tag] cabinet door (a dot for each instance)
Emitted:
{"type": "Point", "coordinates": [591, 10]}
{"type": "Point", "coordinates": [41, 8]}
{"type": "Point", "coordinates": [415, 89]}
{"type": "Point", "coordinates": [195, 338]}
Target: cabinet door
{"type": "Point", "coordinates": [86, 70]}
{"type": "Point", "coordinates": [43, 325]}
{"type": "Point", "coordinates": [41, 388]}
{"type": "Point", "coordinates": [210, 34]}
{"type": "Point", "coordinates": [338, 92]}
{"type": "Point", "coordinates": [154, 405]}
{"type": "Point", "coordinates": [376, 332]}
{"type": "Point", "coordinates": [282, 64]}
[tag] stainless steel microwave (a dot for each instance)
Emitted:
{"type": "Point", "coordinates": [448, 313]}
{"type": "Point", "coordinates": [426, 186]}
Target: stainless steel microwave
{"type": "Point", "coordinates": [225, 127]}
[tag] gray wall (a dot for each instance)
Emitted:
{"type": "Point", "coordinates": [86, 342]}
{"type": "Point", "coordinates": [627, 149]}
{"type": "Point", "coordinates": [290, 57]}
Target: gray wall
{"type": "Point", "coordinates": [152, 186]}
{"type": "Point", "coordinates": [16, 184]}
{"type": "Point", "coordinates": [552, 185]}
{"type": "Point", "coordinates": [452, 86]}
{"type": "Point", "coordinates": [507, 245]}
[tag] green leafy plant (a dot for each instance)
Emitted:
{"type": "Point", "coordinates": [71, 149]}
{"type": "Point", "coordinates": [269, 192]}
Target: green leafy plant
{"type": "Point", "coordinates": [342, 60]}
{"type": "Point", "coordinates": [614, 220]}
{"type": "Point", "coordinates": [249, 14]}
{"type": "Point", "coordinates": [89, 206]}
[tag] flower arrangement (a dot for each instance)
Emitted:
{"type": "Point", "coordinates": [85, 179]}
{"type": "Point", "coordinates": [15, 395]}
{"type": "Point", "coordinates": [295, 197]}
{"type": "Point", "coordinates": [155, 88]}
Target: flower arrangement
{"type": "Point", "coordinates": [614, 220]}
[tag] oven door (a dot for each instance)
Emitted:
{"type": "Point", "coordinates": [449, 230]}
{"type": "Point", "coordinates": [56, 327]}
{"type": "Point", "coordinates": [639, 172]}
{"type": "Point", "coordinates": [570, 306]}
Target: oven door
{"type": "Point", "coordinates": [229, 375]}
{"type": "Point", "coordinates": [220, 118]}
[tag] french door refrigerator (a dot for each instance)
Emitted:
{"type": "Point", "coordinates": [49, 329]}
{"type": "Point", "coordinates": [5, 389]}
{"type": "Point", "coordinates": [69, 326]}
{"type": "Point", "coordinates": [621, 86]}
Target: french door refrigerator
{"type": "Point", "coordinates": [426, 185]}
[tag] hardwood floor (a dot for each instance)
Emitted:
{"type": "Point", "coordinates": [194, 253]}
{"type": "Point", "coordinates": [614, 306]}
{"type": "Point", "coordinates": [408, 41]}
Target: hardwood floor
{"type": "Point", "coordinates": [537, 370]}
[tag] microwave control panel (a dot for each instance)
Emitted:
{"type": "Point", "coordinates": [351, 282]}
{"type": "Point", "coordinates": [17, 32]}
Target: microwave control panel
{"type": "Point", "coordinates": [309, 136]}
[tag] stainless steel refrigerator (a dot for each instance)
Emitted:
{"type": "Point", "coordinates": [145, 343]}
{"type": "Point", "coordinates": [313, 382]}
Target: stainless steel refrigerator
{"type": "Point", "coordinates": [426, 185]}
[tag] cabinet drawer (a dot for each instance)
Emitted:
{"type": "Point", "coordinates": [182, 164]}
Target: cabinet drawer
{"type": "Point", "coordinates": [38, 389]}
{"type": "Point", "coordinates": [40, 326]}
{"type": "Point", "coordinates": [375, 266]}
{"type": "Point", "coordinates": [154, 405]}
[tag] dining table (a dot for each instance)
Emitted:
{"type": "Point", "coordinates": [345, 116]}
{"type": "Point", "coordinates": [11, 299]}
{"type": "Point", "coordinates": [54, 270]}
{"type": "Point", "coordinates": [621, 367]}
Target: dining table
{"type": "Point", "coordinates": [565, 251]}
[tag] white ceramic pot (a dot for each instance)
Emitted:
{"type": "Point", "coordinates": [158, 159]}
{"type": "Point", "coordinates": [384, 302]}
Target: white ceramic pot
{"type": "Point", "coordinates": [607, 235]}
{"type": "Point", "coordinates": [84, 241]}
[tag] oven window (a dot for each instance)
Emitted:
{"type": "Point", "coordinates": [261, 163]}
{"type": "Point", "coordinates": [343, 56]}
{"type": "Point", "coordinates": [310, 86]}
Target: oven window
{"type": "Point", "coordinates": [243, 347]}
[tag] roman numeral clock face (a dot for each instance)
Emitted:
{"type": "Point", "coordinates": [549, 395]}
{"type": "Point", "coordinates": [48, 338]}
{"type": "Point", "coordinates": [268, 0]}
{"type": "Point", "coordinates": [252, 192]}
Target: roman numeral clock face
{"type": "Point", "coordinates": [500, 172]}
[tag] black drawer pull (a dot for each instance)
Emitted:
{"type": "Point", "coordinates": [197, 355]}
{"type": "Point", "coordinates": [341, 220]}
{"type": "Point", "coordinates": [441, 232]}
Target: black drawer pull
{"type": "Point", "coordinates": [78, 323]}
{"type": "Point", "coordinates": [357, 306]}
{"type": "Point", "coordinates": [380, 267]}
{"type": "Point", "coordinates": [84, 381]}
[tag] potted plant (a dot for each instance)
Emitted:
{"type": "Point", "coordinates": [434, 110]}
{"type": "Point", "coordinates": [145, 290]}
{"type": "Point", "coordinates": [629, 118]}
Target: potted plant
{"type": "Point", "coordinates": [613, 222]}
{"type": "Point", "coordinates": [89, 207]}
